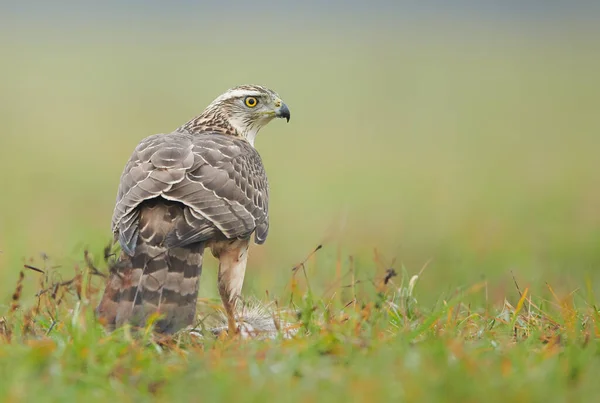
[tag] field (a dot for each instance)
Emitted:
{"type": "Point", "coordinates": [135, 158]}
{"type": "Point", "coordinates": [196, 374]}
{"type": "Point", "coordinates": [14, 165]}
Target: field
{"type": "Point", "coordinates": [468, 159]}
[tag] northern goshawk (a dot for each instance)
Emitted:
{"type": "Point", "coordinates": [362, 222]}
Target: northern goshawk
{"type": "Point", "coordinates": [203, 185]}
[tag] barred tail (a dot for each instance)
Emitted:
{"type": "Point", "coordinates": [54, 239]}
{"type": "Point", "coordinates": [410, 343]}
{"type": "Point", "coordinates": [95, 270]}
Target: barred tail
{"type": "Point", "coordinates": [156, 279]}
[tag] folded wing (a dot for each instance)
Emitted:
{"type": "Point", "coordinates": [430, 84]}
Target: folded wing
{"type": "Point", "coordinates": [219, 179]}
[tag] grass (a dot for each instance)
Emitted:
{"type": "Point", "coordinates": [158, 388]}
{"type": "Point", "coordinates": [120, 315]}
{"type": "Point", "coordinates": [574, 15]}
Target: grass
{"type": "Point", "coordinates": [363, 341]}
{"type": "Point", "coordinates": [467, 158]}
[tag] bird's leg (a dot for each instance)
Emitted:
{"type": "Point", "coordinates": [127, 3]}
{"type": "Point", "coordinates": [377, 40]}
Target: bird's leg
{"type": "Point", "coordinates": [232, 267]}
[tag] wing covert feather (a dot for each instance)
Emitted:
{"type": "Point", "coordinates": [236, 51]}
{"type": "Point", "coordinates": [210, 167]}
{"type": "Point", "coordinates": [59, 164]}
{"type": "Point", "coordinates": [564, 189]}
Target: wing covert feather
{"type": "Point", "coordinates": [221, 180]}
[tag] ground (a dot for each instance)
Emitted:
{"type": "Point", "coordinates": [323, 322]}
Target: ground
{"type": "Point", "coordinates": [369, 341]}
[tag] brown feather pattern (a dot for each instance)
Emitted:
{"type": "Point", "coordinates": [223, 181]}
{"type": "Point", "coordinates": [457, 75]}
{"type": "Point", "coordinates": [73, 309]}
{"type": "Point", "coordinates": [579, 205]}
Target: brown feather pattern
{"type": "Point", "coordinates": [156, 279]}
{"type": "Point", "coordinates": [220, 179]}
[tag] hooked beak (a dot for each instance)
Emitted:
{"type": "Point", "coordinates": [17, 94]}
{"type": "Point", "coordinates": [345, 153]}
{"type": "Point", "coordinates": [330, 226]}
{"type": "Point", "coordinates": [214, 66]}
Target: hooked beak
{"type": "Point", "coordinates": [283, 112]}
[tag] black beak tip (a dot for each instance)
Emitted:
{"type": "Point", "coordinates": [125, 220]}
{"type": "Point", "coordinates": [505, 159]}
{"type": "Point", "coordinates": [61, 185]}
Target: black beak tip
{"type": "Point", "coordinates": [284, 112]}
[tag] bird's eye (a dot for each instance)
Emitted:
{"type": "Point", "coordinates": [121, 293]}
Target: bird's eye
{"type": "Point", "coordinates": [251, 102]}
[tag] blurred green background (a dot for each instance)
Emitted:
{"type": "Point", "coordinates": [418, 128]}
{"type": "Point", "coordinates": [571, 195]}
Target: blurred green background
{"type": "Point", "coordinates": [472, 144]}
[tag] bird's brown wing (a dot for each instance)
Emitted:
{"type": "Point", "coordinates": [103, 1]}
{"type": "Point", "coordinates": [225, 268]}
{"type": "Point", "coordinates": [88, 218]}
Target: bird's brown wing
{"type": "Point", "coordinates": [220, 179]}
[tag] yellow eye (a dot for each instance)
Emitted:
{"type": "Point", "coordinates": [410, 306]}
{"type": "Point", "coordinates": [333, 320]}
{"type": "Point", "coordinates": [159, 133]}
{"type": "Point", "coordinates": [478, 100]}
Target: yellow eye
{"type": "Point", "coordinates": [251, 102]}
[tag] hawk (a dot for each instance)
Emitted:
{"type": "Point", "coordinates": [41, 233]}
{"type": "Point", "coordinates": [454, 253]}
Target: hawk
{"type": "Point", "coordinates": [201, 186]}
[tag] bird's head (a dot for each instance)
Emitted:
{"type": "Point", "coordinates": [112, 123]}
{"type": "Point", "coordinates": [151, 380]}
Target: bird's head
{"type": "Point", "coordinates": [241, 111]}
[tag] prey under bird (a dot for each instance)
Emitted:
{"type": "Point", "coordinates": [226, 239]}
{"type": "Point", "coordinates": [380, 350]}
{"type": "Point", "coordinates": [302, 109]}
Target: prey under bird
{"type": "Point", "coordinates": [201, 186]}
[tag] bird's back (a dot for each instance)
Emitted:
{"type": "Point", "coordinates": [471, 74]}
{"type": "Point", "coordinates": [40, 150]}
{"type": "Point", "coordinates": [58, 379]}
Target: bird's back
{"type": "Point", "coordinates": [178, 194]}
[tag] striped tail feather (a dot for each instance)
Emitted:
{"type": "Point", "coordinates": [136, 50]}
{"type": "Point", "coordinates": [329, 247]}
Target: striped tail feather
{"type": "Point", "coordinates": [156, 279]}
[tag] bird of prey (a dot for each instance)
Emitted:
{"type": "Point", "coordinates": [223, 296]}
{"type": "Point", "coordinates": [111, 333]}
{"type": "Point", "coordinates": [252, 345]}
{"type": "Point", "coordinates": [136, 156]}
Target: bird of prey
{"type": "Point", "coordinates": [201, 186]}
